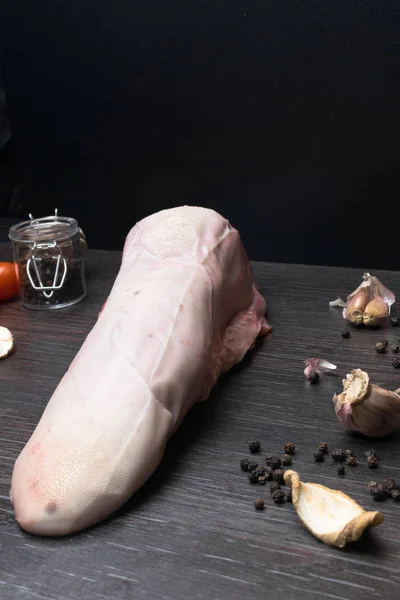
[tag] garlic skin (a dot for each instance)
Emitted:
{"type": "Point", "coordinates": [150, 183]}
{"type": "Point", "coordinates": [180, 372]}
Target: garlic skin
{"type": "Point", "coordinates": [331, 516]}
{"type": "Point", "coordinates": [376, 312]}
{"type": "Point", "coordinates": [367, 408]}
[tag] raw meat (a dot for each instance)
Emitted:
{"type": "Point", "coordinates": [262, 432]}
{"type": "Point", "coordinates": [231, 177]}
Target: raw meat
{"type": "Point", "coordinates": [183, 310]}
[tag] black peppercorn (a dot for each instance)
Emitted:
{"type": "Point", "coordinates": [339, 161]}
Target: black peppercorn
{"type": "Point", "coordinates": [274, 462]}
{"type": "Point", "coordinates": [252, 465]}
{"type": "Point", "coordinates": [338, 455]}
{"type": "Point", "coordinates": [395, 321]}
{"type": "Point", "coordinates": [274, 486]}
{"type": "Point", "coordinates": [341, 470]}
{"type": "Point", "coordinates": [286, 460]}
{"type": "Point", "coordinates": [254, 446]}
{"type": "Point", "coordinates": [278, 496]}
{"type": "Point", "coordinates": [396, 363]}
{"type": "Point", "coordinates": [314, 377]}
{"type": "Point", "coordinates": [268, 473]}
{"type": "Point", "coordinates": [323, 447]}
{"type": "Point", "coordinates": [318, 456]}
{"type": "Point", "coordinates": [244, 464]}
{"type": "Point", "coordinates": [277, 475]}
{"type": "Point", "coordinates": [380, 347]}
{"type": "Point", "coordinates": [261, 471]}
{"type": "Point", "coordinates": [253, 476]}
{"type": "Point", "coordinates": [395, 349]}
{"type": "Point", "coordinates": [345, 334]}
{"type": "Point", "coordinates": [289, 448]}
{"type": "Point", "coordinates": [395, 494]}
{"type": "Point", "coordinates": [351, 461]}
{"type": "Point", "coordinates": [372, 461]}
{"type": "Point", "coordinates": [389, 485]}
{"type": "Point", "coordinates": [378, 493]}
{"type": "Point", "coordinates": [289, 496]}
{"type": "Point", "coordinates": [259, 504]}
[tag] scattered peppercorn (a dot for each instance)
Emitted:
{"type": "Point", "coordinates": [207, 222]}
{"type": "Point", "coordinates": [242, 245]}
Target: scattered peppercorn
{"type": "Point", "coordinates": [395, 349]}
{"type": "Point", "coordinates": [253, 476]}
{"type": "Point", "coordinates": [351, 461]}
{"type": "Point", "coordinates": [277, 475]}
{"type": "Point", "coordinates": [318, 456]}
{"type": "Point", "coordinates": [395, 321]}
{"type": "Point", "coordinates": [286, 460]}
{"type": "Point", "coordinates": [378, 493]}
{"type": "Point", "coordinates": [380, 347]}
{"type": "Point", "coordinates": [254, 446]}
{"type": "Point", "coordinates": [244, 464]}
{"type": "Point", "coordinates": [274, 487]}
{"type": "Point", "coordinates": [289, 496]}
{"type": "Point", "coordinates": [345, 334]}
{"type": "Point", "coordinates": [395, 494]}
{"type": "Point", "coordinates": [396, 363]}
{"type": "Point", "coordinates": [323, 447]}
{"type": "Point", "coordinates": [274, 462]}
{"type": "Point", "coordinates": [314, 377]}
{"type": "Point", "coordinates": [278, 496]}
{"type": "Point", "coordinates": [341, 470]}
{"type": "Point", "coordinates": [289, 448]}
{"type": "Point", "coordinates": [389, 485]}
{"type": "Point", "coordinates": [268, 473]}
{"type": "Point", "coordinates": [252, 465]}
{"type": "Point", "coordinates": [268, 458]}
{"type": "Point", "coordinates": [372, 461]}
{"type": "Point", "coordinates": [338, 455]}
{"type": "Point", "coordinates": [259, 504]}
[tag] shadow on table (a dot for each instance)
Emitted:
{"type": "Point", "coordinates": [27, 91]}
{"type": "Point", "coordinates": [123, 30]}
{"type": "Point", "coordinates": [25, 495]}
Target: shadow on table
{"type": "Point", "coordinates": [196, 421]}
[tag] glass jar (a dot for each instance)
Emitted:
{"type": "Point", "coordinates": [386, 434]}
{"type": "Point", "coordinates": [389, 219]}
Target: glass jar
{"type": "Point", "coordinates": [49, 256]}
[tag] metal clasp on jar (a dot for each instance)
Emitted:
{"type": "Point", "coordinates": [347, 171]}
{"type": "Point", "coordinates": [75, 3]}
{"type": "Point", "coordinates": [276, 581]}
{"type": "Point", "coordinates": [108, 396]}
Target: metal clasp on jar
{"type": "Point", "coordinates": [48, 290]}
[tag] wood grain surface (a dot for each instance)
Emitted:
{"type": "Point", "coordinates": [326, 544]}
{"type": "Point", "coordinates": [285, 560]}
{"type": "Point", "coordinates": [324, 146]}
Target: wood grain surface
{"type": "Point", "coordinates": [192, 531]}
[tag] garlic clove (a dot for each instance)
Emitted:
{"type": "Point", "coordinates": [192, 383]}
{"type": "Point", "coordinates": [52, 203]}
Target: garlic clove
{"type": "Point", "coordinates": [367, 408]}
{"type": "Point", "coordinates": [356, 307]}
{"type": "Point", "coordinates": [6, 342]}
{"type": "Point", "coordinates": [330, 515]}
{"type": "Point", "coordinates": [376, 312]}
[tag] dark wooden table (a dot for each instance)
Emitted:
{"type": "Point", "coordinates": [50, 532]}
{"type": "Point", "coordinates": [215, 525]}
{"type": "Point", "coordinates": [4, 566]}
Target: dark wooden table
{"type": "Point", "coordinates": [192, 531]}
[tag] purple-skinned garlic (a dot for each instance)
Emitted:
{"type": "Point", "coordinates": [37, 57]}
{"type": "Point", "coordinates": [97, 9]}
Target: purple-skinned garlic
{"type": "Point", "coordinates": [367, 408]}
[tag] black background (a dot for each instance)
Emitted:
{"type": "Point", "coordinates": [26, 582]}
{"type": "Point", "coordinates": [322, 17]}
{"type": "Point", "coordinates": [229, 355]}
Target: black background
{"type": "Point", "coordinates": [282, 115]}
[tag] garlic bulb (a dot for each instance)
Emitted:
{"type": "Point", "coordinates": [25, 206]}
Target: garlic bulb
{"type": "Point", "coordinates": [367, 408]}
{"type": "Point", "coordinates": [369, 304]}
{"type": "Point", "coordinates": [330, 515]}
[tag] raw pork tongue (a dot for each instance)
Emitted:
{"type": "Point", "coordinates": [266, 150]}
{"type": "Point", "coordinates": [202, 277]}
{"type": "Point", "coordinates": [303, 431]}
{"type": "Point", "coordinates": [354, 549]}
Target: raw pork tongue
{"type": "Point", "coordinates": [183, 310]}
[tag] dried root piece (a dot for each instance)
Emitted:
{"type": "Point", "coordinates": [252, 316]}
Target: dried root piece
{"type": "Point", "coordinates": [6, 342]}
{"type": "Point", "coordinates": [366, 407]}
{"type": "Point", "coordinates": [330, 515]}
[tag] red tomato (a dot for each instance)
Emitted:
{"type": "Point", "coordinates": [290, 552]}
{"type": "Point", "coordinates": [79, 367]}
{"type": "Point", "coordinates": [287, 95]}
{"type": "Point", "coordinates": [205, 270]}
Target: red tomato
{"type": "Point", "coordinates": [9, 281]}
